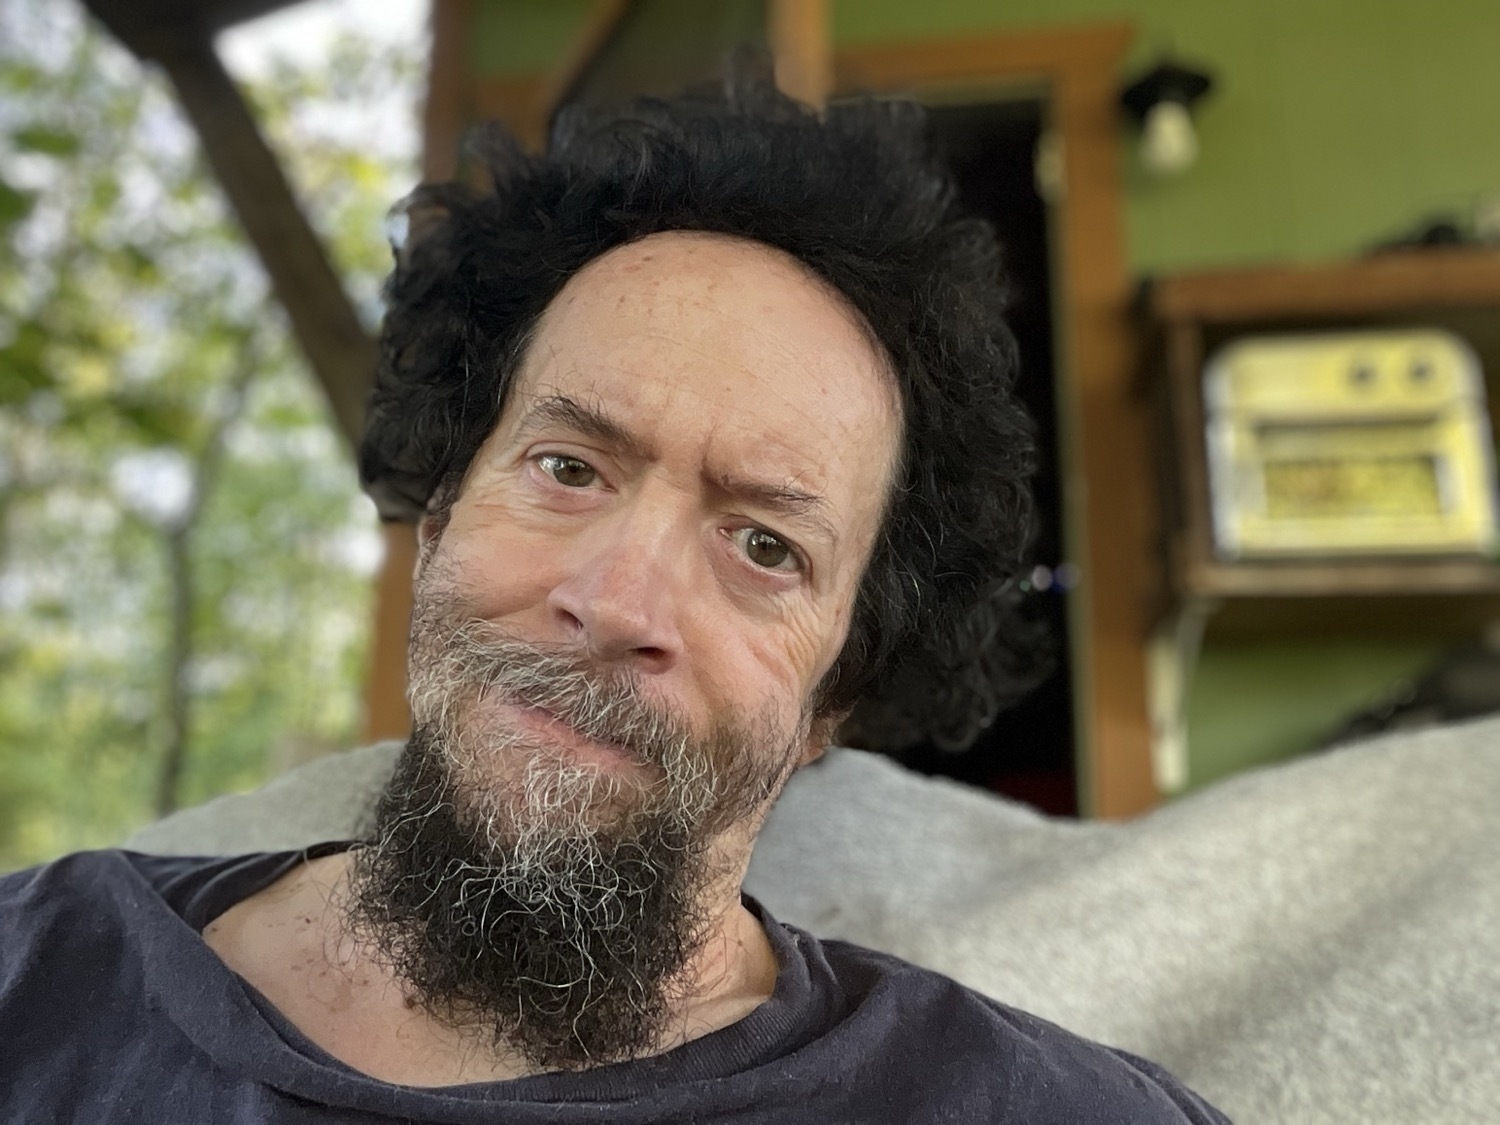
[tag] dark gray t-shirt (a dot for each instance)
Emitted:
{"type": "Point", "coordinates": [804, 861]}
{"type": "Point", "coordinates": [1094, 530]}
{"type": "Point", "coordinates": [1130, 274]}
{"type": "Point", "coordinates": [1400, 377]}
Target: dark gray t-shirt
{"type": "Point", "coordinates": [113, 1009]}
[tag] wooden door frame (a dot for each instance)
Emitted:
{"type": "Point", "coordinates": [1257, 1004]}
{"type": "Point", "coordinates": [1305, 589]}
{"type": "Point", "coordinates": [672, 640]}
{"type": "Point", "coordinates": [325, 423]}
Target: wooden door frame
{"type": "Point", "coordinates": [1109, 511]}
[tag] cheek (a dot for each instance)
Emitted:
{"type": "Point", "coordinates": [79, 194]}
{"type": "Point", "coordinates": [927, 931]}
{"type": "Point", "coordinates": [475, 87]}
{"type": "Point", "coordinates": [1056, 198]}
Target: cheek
{"type": "Point", "coordinates": [785, 660]}
{"type": "Point", "coordinates": [498, 566]}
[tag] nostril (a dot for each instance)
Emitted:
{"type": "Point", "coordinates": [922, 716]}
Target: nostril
{"type": "Point", "coordinates": [615, 613]}
{"type": "Point", "coordinates": [570, 622]}
{"type": "Point", "coordinates": [651, 659]}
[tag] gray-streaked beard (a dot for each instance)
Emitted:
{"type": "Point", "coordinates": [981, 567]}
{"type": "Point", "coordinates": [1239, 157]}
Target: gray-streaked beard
{"type": "Point", "coordinates": [554, 906]}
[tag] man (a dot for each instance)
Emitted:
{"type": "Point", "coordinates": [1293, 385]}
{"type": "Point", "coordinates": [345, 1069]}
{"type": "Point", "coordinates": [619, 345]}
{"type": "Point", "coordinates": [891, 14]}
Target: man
{"type": "Point", "coordinates": [706, 422]}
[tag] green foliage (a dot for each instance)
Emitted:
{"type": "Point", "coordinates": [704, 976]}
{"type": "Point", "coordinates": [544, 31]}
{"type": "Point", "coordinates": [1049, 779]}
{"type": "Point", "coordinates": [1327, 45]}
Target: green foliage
{"type": "Point", "coordinates": [129, 306]}
{"type": "Point", "coordinates": [39, 138]}
{"type": "Point", "coordinates": [15, 204]}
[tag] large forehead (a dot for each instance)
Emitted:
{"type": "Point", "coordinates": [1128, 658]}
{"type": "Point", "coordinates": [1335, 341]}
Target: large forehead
{"type": "Point", "coordinates": [712, 317]}
{"type": "Point", "coordinates": [721, 282]}
{"type": "Point", "coordinates": [710, 257]}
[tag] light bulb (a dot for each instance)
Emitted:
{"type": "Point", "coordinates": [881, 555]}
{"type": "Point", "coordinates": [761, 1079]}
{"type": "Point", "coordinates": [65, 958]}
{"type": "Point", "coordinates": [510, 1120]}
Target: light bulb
{"type": "Point", "coordinates": [1169, 144]}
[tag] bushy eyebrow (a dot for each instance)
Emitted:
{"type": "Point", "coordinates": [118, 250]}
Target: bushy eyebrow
{"type": "Point", "coordinates": [798, 506]}
{"type": "Point", "coordinates": [582, 418]}
{"type": "Point", "coordinates": [806, 509]}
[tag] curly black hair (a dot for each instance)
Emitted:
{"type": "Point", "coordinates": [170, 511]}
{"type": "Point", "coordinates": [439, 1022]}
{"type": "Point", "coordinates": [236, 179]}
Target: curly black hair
{"type": "Point", "coordinates": [936, 646]}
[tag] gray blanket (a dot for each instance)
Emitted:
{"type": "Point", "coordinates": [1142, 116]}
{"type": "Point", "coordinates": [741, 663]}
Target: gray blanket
{"type": "Point", "coordinates": [1318, 942]}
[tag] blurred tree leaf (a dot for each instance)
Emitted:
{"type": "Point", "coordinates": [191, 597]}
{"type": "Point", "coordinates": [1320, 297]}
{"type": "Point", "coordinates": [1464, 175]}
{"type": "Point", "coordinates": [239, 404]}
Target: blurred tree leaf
{"type": "Point", "coordinates": [23, 370]}
{"type": "Point", "coordinates": [154, 420]}
{"type": "Point", "coordinates": [19, 77]}
{"type": "Point", "coordinates": [15, 204]}
{"type": "Point", "coordinates": [139, 263]}
{"type": "Point", "coordinates": [40, 138]}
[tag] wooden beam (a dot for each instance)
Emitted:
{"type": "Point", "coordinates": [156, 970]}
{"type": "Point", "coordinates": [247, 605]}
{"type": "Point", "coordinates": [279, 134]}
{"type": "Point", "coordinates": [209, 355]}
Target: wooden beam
{"type": "Point", "coordinates": [1110, 492]}
{"type": "Point", "coordinates": [149, 27]}
{"type": "Point", "coordinates": [801, 45]}
{"type": "Point", "coordinates": [341, 352]}
{"type": "Point", "coordinates": [594, 37]}
{"type": "Point", "coordinates": [977, 60]}
{"type": "Point", "coordinates": [450, 103]}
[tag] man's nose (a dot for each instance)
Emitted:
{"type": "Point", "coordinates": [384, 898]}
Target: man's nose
{"type": "Point", "coordinates": [622, 592]}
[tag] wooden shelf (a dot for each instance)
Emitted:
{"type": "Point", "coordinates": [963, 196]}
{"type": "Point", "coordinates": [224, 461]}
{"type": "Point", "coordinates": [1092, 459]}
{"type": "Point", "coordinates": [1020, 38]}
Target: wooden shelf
{"type": "Point", "coordinates": [1400, 617]}
{"type": "Point", "coordinates": [1192, 314]}
{"type": "Point", "coordinates": [1399, 281]}
{"type": "Point", "coordinates": [1336, 578]}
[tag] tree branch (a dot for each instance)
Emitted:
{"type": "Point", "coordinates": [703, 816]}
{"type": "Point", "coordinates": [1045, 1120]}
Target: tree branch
{"type": "Point", "coordinates": [183, 587]}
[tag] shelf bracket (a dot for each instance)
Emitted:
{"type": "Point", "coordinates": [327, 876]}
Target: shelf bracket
{"type": "Point", "coordinates": [1171, 659]}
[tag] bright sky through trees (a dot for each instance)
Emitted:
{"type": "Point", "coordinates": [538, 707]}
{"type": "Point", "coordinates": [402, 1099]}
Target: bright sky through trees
{"type": "Point", "coordinates": [184, 552]}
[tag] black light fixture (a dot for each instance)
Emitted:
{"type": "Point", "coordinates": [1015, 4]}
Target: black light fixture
{"type": "Point", "coordinates": [1161, 101]}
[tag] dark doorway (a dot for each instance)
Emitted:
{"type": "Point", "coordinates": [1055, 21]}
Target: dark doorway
{"type": "Point", "coordinates": [1028, 752]}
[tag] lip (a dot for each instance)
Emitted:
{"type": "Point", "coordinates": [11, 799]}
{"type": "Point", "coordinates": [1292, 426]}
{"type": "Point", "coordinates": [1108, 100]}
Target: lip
{"type": "Point", "coordinates": [557, 734]}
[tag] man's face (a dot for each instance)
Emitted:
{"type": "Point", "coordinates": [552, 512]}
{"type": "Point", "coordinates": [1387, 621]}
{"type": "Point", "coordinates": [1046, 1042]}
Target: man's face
{"type": "Point", "coordinates": [619, 625]}
{"type": "Point", "coordinates": [684, 487]}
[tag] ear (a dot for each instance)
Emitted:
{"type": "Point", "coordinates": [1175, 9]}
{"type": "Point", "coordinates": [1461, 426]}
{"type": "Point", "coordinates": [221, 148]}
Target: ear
{"type": "Point", "coordinates": [429, 531]}
{"type": "Point", "coordinates": [811, 752]}
{"type": "Point", "coordinates": [819, 737]}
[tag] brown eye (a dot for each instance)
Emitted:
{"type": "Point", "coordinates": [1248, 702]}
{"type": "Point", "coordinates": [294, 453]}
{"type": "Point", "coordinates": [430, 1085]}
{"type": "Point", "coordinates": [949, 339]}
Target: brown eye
{"type": "Point", "coordinates": [569, 471]}
{"type": "Point", "coordinates": [765, 550]}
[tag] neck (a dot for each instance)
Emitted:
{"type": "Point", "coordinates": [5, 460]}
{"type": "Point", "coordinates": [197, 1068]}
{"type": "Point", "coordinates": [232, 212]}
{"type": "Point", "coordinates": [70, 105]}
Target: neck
{"type": "Point", "coordinates": [339, 991]}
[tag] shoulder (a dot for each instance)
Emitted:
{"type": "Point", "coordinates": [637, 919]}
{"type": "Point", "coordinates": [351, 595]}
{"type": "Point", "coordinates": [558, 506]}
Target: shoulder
{"type": "Point", "coordinates": [99, 959]}
{"type": "Point", "coordinates": [987, 1055]}
{"type": "Point", "coordinates": [123, 878]}
{"type": "Point", "coordinates": [66, 930]}
{"type": "Point", "coordinates": [82, 884]}
{"type": "Point", "coordinates": [82, 898]}
{"type": "Point", "coordinates": [82, 904]}
{"type": "Point", "coordinates": [94, 927]}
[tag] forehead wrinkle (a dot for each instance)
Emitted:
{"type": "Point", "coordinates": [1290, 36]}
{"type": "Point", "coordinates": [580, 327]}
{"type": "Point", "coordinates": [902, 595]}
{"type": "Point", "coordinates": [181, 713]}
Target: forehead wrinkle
{"type": "Point", "coordinates": [733, 367]}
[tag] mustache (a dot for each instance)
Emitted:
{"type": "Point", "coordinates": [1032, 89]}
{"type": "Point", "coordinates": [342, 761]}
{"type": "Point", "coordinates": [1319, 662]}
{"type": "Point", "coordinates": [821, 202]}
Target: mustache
{"type": "Point", "coordinates": [484, 662]}
{"type": "Point", "coordinates": [737, 762]}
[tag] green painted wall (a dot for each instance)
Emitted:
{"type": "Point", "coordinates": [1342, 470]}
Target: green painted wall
{"type": "Point", "coordinates": [522, 36]}
{"type": "Point", "coordinates": [1253, 704]}
{"type": "Point", "coordinates": [1335, 123]}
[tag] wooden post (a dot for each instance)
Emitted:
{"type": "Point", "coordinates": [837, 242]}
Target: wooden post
{"type": "Point", "coordinates": [449, 104]}
{"type": "Point", "coordinates": [1111, 514]}
{"type": "Point", "coordinates": [386, 712]}
{"type": "Point", "coordinates": [443, 119]}
{"type": "Point", "coordinates": [801, 44]}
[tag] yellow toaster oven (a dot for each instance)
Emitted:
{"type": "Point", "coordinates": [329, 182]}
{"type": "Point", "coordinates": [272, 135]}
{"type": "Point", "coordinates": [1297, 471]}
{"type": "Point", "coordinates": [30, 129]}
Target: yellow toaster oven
{"type": "Point", "coordinates": [1373, 443]}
